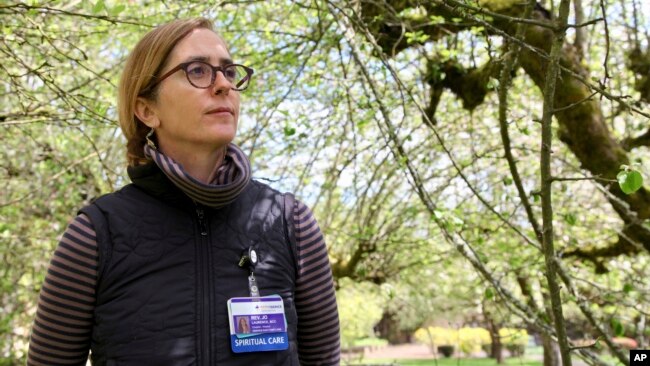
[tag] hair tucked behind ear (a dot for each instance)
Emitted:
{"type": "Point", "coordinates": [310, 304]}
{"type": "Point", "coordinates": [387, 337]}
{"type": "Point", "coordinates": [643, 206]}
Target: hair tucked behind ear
{"type": "Point", "coordinates": [143, 65]}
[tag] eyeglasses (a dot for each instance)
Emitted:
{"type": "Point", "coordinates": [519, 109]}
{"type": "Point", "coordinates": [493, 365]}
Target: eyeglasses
{"type": "Point", "coordinates": [202, 75]}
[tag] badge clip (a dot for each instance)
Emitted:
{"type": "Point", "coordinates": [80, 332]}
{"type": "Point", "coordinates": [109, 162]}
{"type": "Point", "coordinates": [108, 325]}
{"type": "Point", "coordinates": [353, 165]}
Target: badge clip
{"type": "Point", "coordinates": [249, 259]}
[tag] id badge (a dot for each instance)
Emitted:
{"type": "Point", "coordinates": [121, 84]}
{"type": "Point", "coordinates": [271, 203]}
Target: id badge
{"type": "Point", "coordinates": [257, 324]}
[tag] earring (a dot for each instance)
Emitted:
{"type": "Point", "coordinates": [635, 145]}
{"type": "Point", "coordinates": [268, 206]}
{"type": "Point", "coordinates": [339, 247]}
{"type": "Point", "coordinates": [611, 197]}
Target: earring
{"type": "Point", "coordinates": [149, 141]}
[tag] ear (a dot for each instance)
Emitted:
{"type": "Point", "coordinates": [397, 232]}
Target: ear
{"type": "Point", "coordinates": [146, 112]}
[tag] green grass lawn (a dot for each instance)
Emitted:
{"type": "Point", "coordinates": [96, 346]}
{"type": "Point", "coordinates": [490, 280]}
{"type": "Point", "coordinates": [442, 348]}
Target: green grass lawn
{"type": "Point", "coordinates": [532, 357]}
{"type": "Point", "coordinates": [450, 362]}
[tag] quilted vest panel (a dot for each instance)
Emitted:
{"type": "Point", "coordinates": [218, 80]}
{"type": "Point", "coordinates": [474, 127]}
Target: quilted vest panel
{"type": "Point", "coordinates": [165, 276]}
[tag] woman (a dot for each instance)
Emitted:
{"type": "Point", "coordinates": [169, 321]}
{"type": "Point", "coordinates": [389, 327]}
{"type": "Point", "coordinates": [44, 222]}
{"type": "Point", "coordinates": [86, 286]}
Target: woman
{"type": "Point", "coordinates": [146, 275]}
{"type": "Point", "coordinates": [243, 326]}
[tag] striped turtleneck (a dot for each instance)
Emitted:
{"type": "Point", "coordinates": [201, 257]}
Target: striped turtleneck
{"type": "Point", "coordinates": [230, 179]}
{"type": "Point", "coordinates": [63, 325]}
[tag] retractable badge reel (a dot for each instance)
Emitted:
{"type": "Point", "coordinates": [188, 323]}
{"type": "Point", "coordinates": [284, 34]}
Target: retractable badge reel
{"type": "Point", "coordinates": [249, 259]}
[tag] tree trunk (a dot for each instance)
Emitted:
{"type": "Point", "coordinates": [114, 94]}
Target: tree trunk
{"type": "Point", "coordinates": [388, 328]}
{"type": "Point", "coordinates": [496, 347]}
{"type": "Point", "coordinates": [551, 351]}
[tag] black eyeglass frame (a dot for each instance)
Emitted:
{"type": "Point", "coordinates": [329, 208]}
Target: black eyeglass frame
{"type": "Point", "coordinates": [183, 66]}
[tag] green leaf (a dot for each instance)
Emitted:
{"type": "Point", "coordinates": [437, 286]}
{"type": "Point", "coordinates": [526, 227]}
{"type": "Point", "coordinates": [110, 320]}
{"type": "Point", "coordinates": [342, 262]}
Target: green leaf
{"type": "Point", "coordinates": [570, 219]}
{"type": "Point", "coordinates": [437, 19]}
{"type": "Point", "coordinates": [116, 10]}
{"type": "Point", "coordinates": [629, 180]}
{"type": "Point", "coordinates": [627, 288]}
{"type": "Point", "coordinates": [289, 131]}
{"type": "Point", "coordinates": [536, 196]}
{"type": "Point", "coordinates": [493, 84]}
{"type": "Point", "coordinates": [489, 293]}
{"type": "Point", "coordinates": [476, 30]}
{"type": "Point", "coordinates": [619, 329]}
{"type": "Point", "coordinates": [416, 37]}
{"type": "Point", "coordinates": [99, 6]}
{"type": "Point", "coordinates": [572, 298]}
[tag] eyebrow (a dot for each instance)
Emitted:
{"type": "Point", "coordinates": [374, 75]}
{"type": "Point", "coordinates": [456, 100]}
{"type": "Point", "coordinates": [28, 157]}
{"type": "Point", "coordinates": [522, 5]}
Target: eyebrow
{"type": "Point", "coordinates": [222, 61]}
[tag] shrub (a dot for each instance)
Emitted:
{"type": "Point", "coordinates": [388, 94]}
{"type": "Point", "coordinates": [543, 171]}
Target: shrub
{"type": "Point", "coordinates": [466, 340]}
{"type": "Point", "coordinates": [516, 350]}
{"type": "Point", "coordinates": [359, 311]}
{"type": "Point", "coordinates": [514, 340]}
{"type": "Point", "coordinates": [436, 336]}
{"type": "Point", "coordinates": [471, 339]}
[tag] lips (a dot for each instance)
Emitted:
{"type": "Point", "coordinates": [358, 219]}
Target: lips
{"type": "Point", "coordinates": [220, 110]}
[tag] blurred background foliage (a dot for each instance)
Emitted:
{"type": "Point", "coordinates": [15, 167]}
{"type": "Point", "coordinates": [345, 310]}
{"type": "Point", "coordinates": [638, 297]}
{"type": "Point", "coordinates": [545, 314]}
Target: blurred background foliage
{"type": "Point", "coordinates": [321, 119]}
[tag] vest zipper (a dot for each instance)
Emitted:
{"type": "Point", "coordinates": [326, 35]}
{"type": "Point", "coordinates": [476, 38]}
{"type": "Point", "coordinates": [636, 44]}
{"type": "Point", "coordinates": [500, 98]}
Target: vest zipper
{"type": "Point", "coordinates": [204, 273]}
{"type": "Point", "coordinates": [201, 215]}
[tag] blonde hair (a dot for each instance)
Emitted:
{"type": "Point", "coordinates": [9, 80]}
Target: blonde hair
{"type": "Point", "coordinates": [143, 66]}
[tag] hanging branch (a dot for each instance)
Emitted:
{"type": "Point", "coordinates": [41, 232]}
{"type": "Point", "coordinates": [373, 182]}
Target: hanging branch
{"type": "Point", "coordinates": [294, 82]}
{"type": "Point", "coordinates": [510, 64]}
{"type": "Point", "coordinates": [546, 192]}
{"type": "Point", "coordinates": [584, 308]}
{"type": "Point", "coordinates": [579, 42]}
{"type": "Point", "coordinates": [22, 8]}
{"type": "Point", "coordinates": [630, 143]}
{"type": "Point", "coordinates": [602, 9]}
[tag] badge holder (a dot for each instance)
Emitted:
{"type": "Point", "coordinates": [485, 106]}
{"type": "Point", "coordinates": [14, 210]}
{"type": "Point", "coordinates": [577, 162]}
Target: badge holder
{"type": "Point", "coordinates": [249, 259]}
{"type": "Point", "coordinates": [257, 323]}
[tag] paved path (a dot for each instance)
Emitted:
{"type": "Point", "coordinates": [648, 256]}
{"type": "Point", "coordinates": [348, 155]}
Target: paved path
{"type": "Point", "coordinates": [403, 351]}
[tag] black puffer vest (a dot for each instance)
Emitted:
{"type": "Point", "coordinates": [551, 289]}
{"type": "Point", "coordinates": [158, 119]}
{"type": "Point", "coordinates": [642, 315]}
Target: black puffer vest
{"type": "Point", "coordinates": [167, 267]}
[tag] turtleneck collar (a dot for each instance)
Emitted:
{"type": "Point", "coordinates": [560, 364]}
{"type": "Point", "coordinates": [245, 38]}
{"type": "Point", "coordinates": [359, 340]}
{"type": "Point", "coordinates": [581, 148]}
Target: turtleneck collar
{"type": "Point", "coordinates": [231, 178]}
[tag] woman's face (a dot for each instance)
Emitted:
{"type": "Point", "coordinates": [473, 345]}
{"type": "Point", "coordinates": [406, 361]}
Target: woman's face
{"type": "Point", "coordinates": [185, 117]}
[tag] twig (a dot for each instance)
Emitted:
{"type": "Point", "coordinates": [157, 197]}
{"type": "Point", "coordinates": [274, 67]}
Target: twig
{"type": "Point", "coordinates": [66, 12]}
{"type": "Point", "coordinates": [585, 24]}
{"type": "Point", "coordinates": [511, 63]}
{"type": "Point", "coordinates": [602, 9]}
{"type": "Point", "coordinates": [483, 11]}
{"type": "Point", "coordinates": [566, 179]}
{"type": "Point", "coordinates": [574, 104]}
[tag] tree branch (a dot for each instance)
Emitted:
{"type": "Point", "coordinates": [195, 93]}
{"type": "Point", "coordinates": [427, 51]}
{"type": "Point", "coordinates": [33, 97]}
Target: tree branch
{"type": "Point", "coordinates": [630, 143]}
{"type": "Point", "coordinates": [5, 10]}
{"type": "Point", "coordinates": [552, 73]}
{"type": "Point", "coordinates": [511, 64]}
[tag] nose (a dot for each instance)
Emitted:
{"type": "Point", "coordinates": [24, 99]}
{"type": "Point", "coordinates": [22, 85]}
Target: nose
{"type": "Point", "coordinates": [221, 84]}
